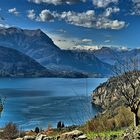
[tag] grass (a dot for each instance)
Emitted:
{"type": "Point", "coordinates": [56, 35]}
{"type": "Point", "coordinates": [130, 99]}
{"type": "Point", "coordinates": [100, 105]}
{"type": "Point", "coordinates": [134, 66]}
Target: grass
{"type": "Point", "coordinates": [105, 134]}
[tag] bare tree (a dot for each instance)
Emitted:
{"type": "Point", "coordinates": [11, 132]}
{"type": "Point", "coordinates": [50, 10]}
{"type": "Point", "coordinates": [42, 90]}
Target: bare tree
{"type": "Point", "coordinates": [128, 84]}
{"type": "Point", "coordinates": [2, 101]}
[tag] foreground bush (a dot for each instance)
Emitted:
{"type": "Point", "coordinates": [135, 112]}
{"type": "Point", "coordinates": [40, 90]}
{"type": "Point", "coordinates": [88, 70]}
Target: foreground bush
{"type": "Point", "coordinates": [10, 131]}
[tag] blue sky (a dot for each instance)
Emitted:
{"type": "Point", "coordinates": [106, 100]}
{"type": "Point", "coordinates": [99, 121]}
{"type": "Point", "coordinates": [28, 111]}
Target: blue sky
{"type": "Point", "coordinates": [77, 23]}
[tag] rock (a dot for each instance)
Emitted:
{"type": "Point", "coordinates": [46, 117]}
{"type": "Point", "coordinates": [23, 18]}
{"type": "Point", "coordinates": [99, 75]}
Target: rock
{"type": "Point", "coordinates": [82, 137]}
{"type": "Point", "coordinates": [29, 138]}
{"type": "Point", "coordinates": [19, 139]}
{"type": "Point", "coordinates": [40, 137]}
{"type": "Point", "coordinates": [71, 135]}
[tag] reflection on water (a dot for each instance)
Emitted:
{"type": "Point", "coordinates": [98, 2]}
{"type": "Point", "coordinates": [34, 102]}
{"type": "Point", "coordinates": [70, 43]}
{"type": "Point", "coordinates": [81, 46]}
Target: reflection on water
{"type": "Point", "coordinates": [42, 101]}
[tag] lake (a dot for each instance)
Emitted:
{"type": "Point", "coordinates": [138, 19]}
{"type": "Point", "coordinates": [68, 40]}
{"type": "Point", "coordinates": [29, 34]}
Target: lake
{"type": "Point", "coordinates": [32, 102]}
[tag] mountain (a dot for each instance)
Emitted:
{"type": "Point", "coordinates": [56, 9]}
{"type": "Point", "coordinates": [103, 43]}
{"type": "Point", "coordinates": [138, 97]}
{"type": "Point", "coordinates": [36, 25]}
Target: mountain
{"type": "Point", "coordinates": [34, 43]}
{"type": "Point", "coordinates": [112, 55]}
{"type": "Point", "coordinates": [37, 45]}
{"type": "Point", "coordinates": [16, 64]}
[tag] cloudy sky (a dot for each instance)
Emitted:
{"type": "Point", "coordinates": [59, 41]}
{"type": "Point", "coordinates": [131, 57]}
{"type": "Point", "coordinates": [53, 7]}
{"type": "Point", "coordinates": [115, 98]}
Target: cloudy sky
{"type": "Point", "coordinates": [77, 23]}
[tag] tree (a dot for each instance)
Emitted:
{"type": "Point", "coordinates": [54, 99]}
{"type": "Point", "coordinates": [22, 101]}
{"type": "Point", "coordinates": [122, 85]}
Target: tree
{"type": "Point", "coordinates": [128, 85]}
{"type": "Point", "coordinates": [37, 130]}
{"type": "Point", "coordinates": [59, 125]}
{"type": "Point", "coordinates": [62, 125]}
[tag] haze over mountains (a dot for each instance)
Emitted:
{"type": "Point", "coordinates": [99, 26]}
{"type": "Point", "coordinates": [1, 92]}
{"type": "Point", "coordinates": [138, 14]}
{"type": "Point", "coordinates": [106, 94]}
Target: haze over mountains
{"type": "Point", "coordinates": [38, 47]}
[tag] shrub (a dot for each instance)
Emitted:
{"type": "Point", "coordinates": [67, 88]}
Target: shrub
{"type": "Point", "coordinates": [122, 119]}
{"type": "Point", "coordinates": [10, 131]}
{"type": "Point", "coordinates": [111, 120]}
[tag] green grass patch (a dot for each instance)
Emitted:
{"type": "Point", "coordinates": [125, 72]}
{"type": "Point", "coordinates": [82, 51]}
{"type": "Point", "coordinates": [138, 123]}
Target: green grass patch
{"type": "Point", "coordinates": [104, 134]}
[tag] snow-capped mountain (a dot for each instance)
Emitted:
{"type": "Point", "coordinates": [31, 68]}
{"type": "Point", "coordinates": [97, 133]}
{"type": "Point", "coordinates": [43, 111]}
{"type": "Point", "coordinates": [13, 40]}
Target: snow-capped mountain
{"type": "Point", "coordinates": [111, 55]}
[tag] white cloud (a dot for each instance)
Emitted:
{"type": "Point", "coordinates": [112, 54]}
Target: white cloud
{"type": "Point", "coordinates": [57, 2]}
{"type": "Point", "coordinates": [31, 14]}
{"type": "Point", "coordinates": [4, 25]}
{"type": "Point", "coordinates": [104, 23]}
{"type": "Point", "coordinates": [45, 15]}
{"type": "Point", "coordinates": [62, 41]}
{"type": "Point", "coordinates": [88, 19]}
{"type": "Point", "coordinates": [109, 11]}
{"type": "Point", "coordinates": [84, 19]}
{"type": "Point", "coordinates": [13, 11]}
{"type": "Point", "coordinates": [86, 40]}
{"type": "Point", "coordinates": [103, 3]}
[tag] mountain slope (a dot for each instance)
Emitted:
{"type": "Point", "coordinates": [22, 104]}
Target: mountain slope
{"type": "Point", "coordinates": [34, 43]}
{"type": "Point", "coordinates": [88, 62]}
{"type": "Point", "coordinates": [106, 55]}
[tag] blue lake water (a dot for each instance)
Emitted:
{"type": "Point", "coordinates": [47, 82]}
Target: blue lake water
{"type": "Point", "coordinates": [32, 102]}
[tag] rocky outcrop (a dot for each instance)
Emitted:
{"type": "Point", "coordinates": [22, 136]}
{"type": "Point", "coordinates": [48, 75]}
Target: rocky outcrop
{"type": "Point", "coordinates": [109, 94]}
{"type": "Point", "coordinates": [105, 94]}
